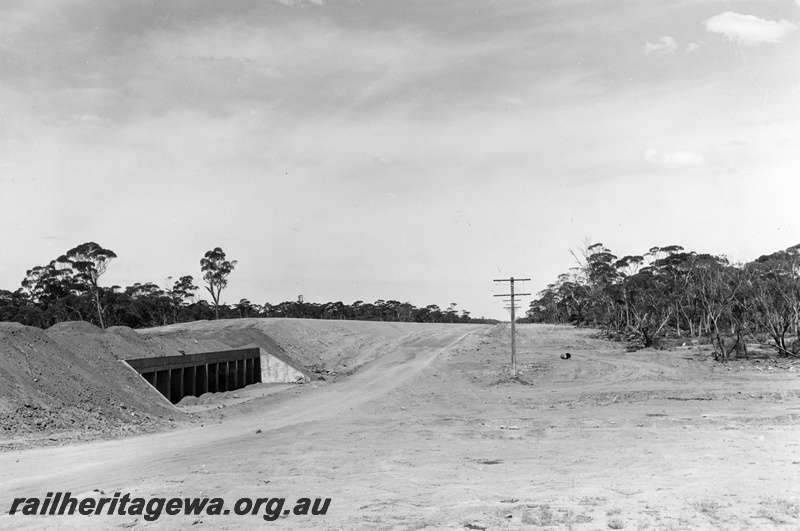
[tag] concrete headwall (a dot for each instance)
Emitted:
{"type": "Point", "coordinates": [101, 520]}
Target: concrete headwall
{"type": "Point", "coordinates": [276, 367]}
{"type": "Point", "coordinates": [274, 370]}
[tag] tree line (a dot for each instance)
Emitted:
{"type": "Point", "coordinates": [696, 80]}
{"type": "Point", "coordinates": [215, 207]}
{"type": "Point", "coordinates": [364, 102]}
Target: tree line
{"type": "Point", "coordinates": [670, 291]}
{"type": "Point", "coordinates": [68, 289]}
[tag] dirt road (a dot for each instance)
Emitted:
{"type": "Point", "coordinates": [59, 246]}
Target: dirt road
{"type": "Point", "coordinates": [127, 464]}
{"type": "Point", "coordinates": [432, 434]}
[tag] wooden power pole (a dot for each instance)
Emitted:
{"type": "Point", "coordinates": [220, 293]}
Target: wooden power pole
{"type": "Point", "coordinates": [513, 319]}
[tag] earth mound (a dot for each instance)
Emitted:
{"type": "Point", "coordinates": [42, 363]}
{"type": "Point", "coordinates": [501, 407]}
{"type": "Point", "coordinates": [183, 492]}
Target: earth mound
{"type": "Point", "coordinates": [76, 326]}
{"type": "Point", "coordinates": [11, 327]}
{"type": "Point", "coordinates": [123, 331]}
{"type": "Point", "coordinates": [70, 381]}
{"type": "Point", "coordinates": [324, 347]}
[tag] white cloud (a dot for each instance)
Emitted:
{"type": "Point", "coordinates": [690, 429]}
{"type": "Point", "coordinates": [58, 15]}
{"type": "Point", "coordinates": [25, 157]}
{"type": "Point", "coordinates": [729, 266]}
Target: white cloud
{"type": "Point", "coordinates": [692, 46]}
{"type": "Point", "coordinates": [665, 45]}
{"type": "Point", "coordinates": [676, 159]}
{"type": "Point", "coordinates": [748, 29]}
{"type": "Point", "coordinates": [295, 2]}
{"type": "Point", "coordinates": [511, 100]}
{"type": "Point", "coordinates": [383, 161]}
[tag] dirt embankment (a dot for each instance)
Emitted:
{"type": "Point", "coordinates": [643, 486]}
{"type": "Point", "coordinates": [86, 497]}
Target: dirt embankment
{"type": "Point", "coordinates": [323, 347]}
{"type": "Point", "coordinates": [67, 383]}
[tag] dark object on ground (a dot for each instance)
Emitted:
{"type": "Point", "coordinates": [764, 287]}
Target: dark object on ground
{"type": "Point", "coordinates": [566, 356]}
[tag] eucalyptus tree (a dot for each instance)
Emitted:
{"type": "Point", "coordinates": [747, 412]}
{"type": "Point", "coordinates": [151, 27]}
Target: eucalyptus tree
{"type": "Point", "coordinates": [216, 268]}
{"type": "Point", "coordinates": [678, 269]}
{"type": "Point", "coordinates": [451, 312]}
{"type": "Point", "coordinates": [626, 267]}
{"type": "Point", "coordinates": [405, 311]}
{"type": "Point", "coordinates": [46, 284]}
{"type": "Point", "coordinates": [434, 313]}
{"type": "Point", "coordinates": [245, 308]}
{"type": "Point", "coordinates": [149, 304]}
{"type": "Point", "coordinates": [775, 297]}
{"type": "Point", "coordinates": [647, 304]}
{"type": "Point", "coordinates": [391, 310]}
{"type": "Point", "coordinates": [334, 310]}
{"type": "Point", "coordinates": [180, 294]}
{"type": "Point", "coordinates": [604, 290]}
{"type": "Point", "coordinates": [720, 290]}
{"type": "Point", "coordinates": [10, 303]}
{"type": "Point", "coordinates": [670, 287]}
{"type": "Point", "coordinates": [89, 262]}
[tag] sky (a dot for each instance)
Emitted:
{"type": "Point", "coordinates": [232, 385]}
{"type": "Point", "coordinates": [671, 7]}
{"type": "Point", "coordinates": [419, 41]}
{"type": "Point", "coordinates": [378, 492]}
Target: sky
{"type": "Point", "coordinates": [412, 150]}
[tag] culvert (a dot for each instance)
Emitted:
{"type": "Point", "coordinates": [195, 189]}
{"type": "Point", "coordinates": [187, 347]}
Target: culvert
{"type": "Point", "coordinates": [194, 374]}
{"type": "Point", "coordinates": [211, 372]}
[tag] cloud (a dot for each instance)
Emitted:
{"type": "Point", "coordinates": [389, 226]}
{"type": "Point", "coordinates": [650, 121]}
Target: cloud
{"type": "Point", "coordinates": [734, 144]}
{"type": "Point", "coordinates": [296, 2]}
{"type": "Point", "coordinates": [511, 100]}
{"type": "Point", "coordinates": [383, 161]}
{"type": "Point", "coordinates": [748, 29]}
{"type": "Point", "coordinates": [676, 159]}
{"type": "Point", "coordinates": [664, 46]}
{"type": "Point", "coordinates": [692, 46]}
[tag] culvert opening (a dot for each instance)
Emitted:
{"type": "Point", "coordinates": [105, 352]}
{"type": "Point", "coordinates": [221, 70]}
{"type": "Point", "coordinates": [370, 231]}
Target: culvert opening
{"type": "Point", "coordinates": [176, 377]}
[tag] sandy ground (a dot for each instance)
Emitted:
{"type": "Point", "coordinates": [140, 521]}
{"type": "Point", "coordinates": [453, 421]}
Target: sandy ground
{"type": "Point", "coordinates": [429, 432]}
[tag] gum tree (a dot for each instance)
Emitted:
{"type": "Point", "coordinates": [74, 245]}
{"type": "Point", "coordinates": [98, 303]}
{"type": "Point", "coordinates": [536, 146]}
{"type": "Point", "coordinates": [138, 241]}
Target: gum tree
{"type": "Point", "coordinates": [775, 297]}
{"type": "Point", "coordinates": [181, 292]}
{"type": "Point", "coordinates": [88, 262]}
{"type": "Point", "coordinates": [215, 270]}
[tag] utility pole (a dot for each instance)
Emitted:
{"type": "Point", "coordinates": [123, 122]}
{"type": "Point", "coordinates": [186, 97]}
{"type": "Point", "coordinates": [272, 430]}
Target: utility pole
{"type": "Point", "coordinates": [513, 318]}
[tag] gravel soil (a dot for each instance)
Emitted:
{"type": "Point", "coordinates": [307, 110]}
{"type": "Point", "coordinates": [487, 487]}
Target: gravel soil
{"type": "Point", "coordinates": [417, 427]}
